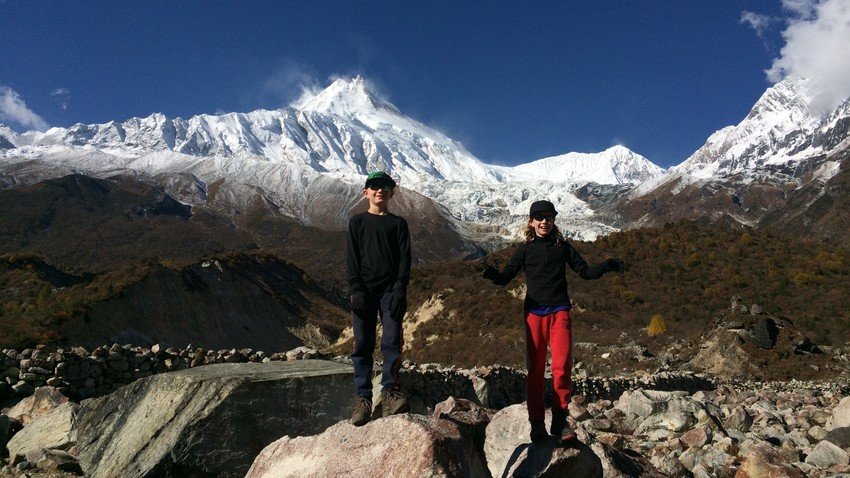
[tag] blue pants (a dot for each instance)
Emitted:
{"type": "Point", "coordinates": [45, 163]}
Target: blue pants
{"type": "Point", "coordinates": [364, 344]}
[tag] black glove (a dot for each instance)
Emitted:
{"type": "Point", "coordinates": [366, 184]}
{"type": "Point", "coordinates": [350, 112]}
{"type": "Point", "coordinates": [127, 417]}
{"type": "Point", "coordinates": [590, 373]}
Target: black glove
{"type": "Point", "coordinates": [615, 265]}
{"type": "Point", "coordinates": [398, 304]}
{"type": "Point", "coordinates": [492, 274]}
{"type": "Point", "coordinates": [358, 302]}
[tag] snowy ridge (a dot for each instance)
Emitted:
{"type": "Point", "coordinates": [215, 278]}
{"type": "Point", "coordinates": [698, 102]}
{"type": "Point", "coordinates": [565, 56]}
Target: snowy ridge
{"type": "Point", "coordinates": [615, 165]}
{"type": "Point", "coordinates": [779, 134]}
{"type": "Point", "coordinates": [326, 146]}
{"type": "Point", "coordinates": [778, 130]}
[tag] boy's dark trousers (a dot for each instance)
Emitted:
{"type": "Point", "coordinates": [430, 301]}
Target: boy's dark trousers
{"type": "Point", "coordinates": [364, 344]}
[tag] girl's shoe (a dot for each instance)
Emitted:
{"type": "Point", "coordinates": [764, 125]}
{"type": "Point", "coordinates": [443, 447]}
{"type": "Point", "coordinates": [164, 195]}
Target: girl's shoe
{"type": "Point", "coordinates": [538, 431]}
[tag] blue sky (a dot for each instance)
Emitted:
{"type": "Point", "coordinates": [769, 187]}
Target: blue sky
{"type": "Point", "coordinates": [513, 81]}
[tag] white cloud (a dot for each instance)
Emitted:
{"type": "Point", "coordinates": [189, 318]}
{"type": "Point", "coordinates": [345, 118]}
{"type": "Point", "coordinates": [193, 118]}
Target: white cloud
{"type": "Point", "coordinates": [817, 46]}
{"type": "Point", "coordinates": [13, 108]}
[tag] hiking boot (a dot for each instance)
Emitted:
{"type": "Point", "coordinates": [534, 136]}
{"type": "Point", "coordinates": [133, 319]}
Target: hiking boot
{"type": "Point", "coordinates": [393, 402]}
{"type": "Point", "coordinates": [362, 411]}
{"type": "Point", "coordinates": [559, 421]}
{"type": "Point", "coordinates": [538, 431]}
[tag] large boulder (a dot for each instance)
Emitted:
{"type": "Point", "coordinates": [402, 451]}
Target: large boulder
{"type": "Point", "coordinates": [209, 420]}
{"type": "Point", "coordinates": [763, 461]}
{"type": "Point", "coordinates": [399, 446]}
{"type": "Point", "coordinates": [723, 355]}
{"type": "Point", "coordinates": [56, 429]}
{"type": "Point", "coordinates": [41, 402]}
{"type": "Point", "coordinates": [840, 415]}
{"type": "Point", "coordinates": [509, 452]}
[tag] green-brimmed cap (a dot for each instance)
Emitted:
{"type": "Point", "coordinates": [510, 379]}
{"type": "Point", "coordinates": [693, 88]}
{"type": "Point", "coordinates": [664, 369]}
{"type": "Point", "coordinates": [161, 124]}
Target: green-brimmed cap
{"type": "Point", "coordinates": [379, 178]}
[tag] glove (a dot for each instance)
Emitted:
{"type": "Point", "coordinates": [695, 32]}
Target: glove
{"type": "Point", "coordinates": [615, 265]}
{"type": "Point", "coordinates": [492, 274]}
{"type": "Point", "coordinates": [358, 302]}
{"type": "Point", "coordinates": [398, 304]}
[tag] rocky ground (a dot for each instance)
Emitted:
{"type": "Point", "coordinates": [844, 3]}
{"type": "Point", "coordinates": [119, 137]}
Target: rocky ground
{"type": "Point", "coordinates": [730, 428]}
{"type": "Point", "coordinates": [752, 397]}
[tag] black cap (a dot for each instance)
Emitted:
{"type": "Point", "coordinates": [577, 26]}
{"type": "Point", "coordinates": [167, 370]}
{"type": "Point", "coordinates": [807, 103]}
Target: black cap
{"type": "Point", "coordinates": [379, 178]}
{"type": "Point", "coordinates": [542, 206]}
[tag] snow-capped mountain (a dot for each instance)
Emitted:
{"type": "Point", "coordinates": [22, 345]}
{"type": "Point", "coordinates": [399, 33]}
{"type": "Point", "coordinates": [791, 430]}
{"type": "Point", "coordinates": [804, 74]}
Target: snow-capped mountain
{"type": "Point", "coordinates": [298, 155]}
{"type": "Point", "coordinates": [615, 165]}
{"type": "Point", "coordinates": [779, 130]}
{"type": "Point", "coordinates": [776, 163]}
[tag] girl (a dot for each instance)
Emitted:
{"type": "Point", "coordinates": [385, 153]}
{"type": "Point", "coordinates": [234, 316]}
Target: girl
{"type": "Point", "coordinates": [543, 256]}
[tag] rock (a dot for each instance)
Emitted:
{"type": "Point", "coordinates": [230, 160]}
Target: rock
{"type": "Point", "coordinates": [42, 401]}
{"type": "Point", "coordinates": [578, 412]}
{"type": "Point", "coordinates": [839, 436]}
{"type": "Point", "coordinates": [399, 446]}
{"type": "Point", "coordinates": [56, 429]}
{"type": "Point", "coordinates": [697, 437]}
{"type": "Point", "coordinates": [58, 460]}
{"type": "Point", "coordinates": [840, 415]}
{"type": "Point", "coordinates": [551, 459]}
{"type": "Point", "coordinates": [765, 332]}
{"type": "Point", "coordinates": [764, 462]}
{"type": "Point", "coordinates": [722, 355]}
{"type": "Point", "coordinates": [23, 388]}
{"type": "Point", "coordinates": [647, 402]}
{"type": "Point", "coordinates": [509, 453]}
{"type": "Point", "coordinates": [617, 464]}
{"type": "Point", "coordinates": [826, 454]}
{"type": "Point", "coordinates": [466, 414]}
{"type": "Point", "coordinates": [209, 420]}
{"type": "Point", "coordinates": [739, 419]}
{"type": "Point", "coordinates": [707, 462]}
{"type": "Point", "coordinates": [817, 433]}
{"type": "Point", "coordinates": [665, 425]}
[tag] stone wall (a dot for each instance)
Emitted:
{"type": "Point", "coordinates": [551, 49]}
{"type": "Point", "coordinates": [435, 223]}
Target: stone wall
{"type": "Point", "coordinates": [79, 373]}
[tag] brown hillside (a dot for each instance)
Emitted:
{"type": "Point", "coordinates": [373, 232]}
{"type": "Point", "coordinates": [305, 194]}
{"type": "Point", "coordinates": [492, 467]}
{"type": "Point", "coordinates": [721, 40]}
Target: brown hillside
{"type": "Point", "coordinates": [686, 272]}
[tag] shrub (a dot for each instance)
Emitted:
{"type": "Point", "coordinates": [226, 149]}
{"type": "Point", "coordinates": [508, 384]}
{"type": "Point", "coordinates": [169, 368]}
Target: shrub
{"type": "Point", "coordinates": [657, 325]}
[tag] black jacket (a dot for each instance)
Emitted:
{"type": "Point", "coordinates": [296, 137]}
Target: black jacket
{"type": "Point", "coordinates": [544, 263]}
{"type": "Point", "coordinates": [378, 253]}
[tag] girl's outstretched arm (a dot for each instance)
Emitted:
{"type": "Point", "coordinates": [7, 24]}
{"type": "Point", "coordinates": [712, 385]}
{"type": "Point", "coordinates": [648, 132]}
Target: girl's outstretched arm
{"type": "Point", "coordinates": [510, 271]}
{"type": "Point", "coordinates": [578, 264]}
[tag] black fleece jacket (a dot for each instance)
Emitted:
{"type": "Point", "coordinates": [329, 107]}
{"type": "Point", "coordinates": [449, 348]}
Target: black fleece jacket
{"type": "Point", "coordinates": [544, 263]}
{"type": "Point", "coordinates": [378, 253]}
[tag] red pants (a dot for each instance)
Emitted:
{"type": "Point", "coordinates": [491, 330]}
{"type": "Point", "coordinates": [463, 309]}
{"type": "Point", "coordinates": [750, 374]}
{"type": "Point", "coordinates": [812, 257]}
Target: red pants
{"type": "Point", "coordinates": [554, 330]}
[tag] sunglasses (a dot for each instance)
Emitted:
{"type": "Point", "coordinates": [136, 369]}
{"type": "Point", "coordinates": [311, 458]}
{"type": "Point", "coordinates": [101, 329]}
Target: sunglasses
{"type": "Point", "coordinates": [376, 187]}
{"type": "Point", "coordinates": [542, 217]}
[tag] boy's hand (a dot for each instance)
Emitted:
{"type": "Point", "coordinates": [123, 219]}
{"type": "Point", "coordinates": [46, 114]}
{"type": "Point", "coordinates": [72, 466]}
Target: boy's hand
{"type": "Point", "coordinates": [398, 304]}
{"type": "Point", "coordinates": [358, 302]}
{"type": "Point", "coordinates": [615, 265]}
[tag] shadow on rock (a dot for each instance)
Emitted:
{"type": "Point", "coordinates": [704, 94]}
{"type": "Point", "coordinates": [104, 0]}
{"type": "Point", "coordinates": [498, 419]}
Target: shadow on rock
{"type": "Point", "coordinates": [552, 458]}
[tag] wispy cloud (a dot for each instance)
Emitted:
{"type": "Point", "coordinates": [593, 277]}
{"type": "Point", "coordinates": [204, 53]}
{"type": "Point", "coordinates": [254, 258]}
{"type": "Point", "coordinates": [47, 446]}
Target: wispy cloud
{"type": "Point", "coordinates": [817, 39]}
{"type": "Point", "coordinates": [62, 96]}
{"type": "Point", "coordinates": [290, 83]}
{"type": "Point", "coordinates": [13, 108]}
{"type": "Point", "coordinates": [760, 23]}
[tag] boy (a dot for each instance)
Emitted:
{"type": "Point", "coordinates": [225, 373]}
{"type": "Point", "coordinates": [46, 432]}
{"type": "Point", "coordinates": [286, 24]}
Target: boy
{"type": "Point", "coordinates": [378, 272]}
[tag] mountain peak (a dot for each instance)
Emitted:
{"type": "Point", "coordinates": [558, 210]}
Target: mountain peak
{"type": "Point", "coordinates": [347, 97]}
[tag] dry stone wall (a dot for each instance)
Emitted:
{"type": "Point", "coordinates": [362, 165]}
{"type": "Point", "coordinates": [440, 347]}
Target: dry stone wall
{"type": "Point", "coordinates": [80, 373]}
